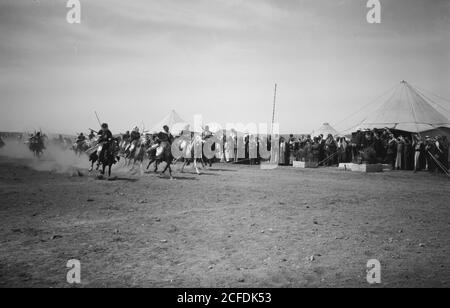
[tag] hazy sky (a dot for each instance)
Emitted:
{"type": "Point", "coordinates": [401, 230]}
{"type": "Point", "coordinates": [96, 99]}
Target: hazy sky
{"type": "Point", "coordinates": [133, 61]}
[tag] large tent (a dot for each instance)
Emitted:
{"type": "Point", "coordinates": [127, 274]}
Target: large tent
{"type": "Point", "coordinates": [174, 121]}
{"type": "Point", "coordinates": [408, 109]}
{"type": "Point", "coordinates": [325, 130]}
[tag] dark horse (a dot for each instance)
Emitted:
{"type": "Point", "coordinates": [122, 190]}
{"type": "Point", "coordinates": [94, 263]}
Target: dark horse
{"type": "Point", "coordinates": [110, 157]}
{"type": "Point", "coordinates": [80, 147]}
{"type": "Point", "coordinates": [36, 146]}
{"type": "Point", "coordinates": [162, 154]}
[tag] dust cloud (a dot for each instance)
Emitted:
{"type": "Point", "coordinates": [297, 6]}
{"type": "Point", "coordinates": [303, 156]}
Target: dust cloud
{"type": "Point", "coordinates": [54, 159]}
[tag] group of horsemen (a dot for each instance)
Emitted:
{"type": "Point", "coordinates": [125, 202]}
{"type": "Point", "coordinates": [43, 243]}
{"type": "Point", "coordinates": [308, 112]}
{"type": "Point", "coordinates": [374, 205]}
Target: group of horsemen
{"type": "Point", "coordinates": [103, 148]}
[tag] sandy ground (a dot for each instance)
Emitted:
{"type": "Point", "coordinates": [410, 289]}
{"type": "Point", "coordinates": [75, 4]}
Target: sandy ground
{"type": "Point", "coordinates": [233, 226]}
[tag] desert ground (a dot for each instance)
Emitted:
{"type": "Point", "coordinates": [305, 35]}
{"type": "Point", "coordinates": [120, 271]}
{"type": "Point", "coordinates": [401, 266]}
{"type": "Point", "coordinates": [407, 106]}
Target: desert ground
{"type": "Point", "coordinates": [232, 226]}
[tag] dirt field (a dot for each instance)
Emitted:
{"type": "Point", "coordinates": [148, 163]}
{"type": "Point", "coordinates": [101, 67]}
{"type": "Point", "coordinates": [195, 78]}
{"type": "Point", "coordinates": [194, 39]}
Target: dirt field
{"type": "Point", "coordinates": [233, 226]}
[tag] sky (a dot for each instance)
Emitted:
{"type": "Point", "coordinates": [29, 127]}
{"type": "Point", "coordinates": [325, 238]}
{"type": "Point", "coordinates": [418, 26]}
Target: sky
{"type": "Point", "coordinates": [133, 61]}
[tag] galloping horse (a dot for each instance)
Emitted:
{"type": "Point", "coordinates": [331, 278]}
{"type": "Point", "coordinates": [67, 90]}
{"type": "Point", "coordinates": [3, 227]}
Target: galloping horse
{"type": "Point", "coordinates": [36, 145]}
{"type": "Point", "coordinates": [188, 149]}
{"type": "Point", "coordinates": [137, 153]}
{"type": "Point", "coordinates": [81, 147]}
{"type": "Point", "coordinates": [208, 161]}
{"type": "Point", "coordinates": [162, 153]}
{"type": "Point", "coordinates": [110, 157]}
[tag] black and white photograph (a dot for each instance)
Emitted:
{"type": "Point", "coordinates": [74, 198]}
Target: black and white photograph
{"type": "Point", "coordinates": [224, 149]}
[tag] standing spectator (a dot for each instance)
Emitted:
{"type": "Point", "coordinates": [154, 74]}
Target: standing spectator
{"type": "Point", "coordinates": [399, 159]}
{"type": "Point", "coordinates": [408, 154]}
{"type": "Point", "coordinates": [418, 153]}
{"type": "Point", "coordinates": [282, 151]}
{"type": "Point", "coordinates": [430, 153]}
{"type": "Point", "coordinates": [391, 151]}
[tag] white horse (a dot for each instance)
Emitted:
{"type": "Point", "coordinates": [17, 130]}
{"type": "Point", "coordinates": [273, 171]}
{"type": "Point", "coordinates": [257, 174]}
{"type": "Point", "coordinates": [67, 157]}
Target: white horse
{"type": "Point", "coordinates": [188, 149]}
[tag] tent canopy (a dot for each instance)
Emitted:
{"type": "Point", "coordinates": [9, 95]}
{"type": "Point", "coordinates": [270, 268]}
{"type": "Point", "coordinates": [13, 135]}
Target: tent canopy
{"type": "Point", "coordinates": [325, 130]}
{"type": "Point", "coordinates": [407, 110]}
{"type": "Point", "coordinates": [174, 121]}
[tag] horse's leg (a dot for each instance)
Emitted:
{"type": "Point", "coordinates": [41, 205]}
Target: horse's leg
{"type": "Point", "coordinates": [170, 171]}
{"type": "Point", "coordinates": [184, 165]}
{"type": "Point", "coordinates": [196, 167]}
{"type": "Point", "coordinates": [156, 166]}
{"type": "Point", "coordinates": [140, 167]}
{"type": "Point", "coordinates": [150, 163]}
{"type": "Point", "coordinates": [132, 162]}
{"type": "Point", "coordinates": [167, 167]}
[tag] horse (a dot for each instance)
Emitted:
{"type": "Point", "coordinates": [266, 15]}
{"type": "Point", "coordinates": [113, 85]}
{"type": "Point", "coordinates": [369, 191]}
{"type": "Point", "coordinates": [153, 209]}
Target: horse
{"type": "Point", "coordinates": [208, 161]}
{"type": "Point", "coordinates": [129, 151]}
{"type": "Point", "coordinates": [161, 153]}
{"type": "Point", "coordinates": [110, 157]}
{"type": "Point", "coordinates": [80, 147]}
{"type": "Point", "coordinates": [138, 154]}
{"type": "Point", "coordinates": [36, 146]}
{"type": "Point", "coordinates": [188, 148]}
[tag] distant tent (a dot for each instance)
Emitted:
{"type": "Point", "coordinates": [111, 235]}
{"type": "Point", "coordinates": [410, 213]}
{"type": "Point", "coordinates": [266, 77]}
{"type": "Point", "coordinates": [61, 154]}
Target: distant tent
{"type": "Point", "coordinates": [174, 121]}
{"type": "Point", "coordinates": [325, 130]}
{"type": "Point", "coordinates": [408, 109]}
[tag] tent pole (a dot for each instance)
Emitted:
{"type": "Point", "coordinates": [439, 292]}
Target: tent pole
{"type": "Point", "coordinates": [274, 108]}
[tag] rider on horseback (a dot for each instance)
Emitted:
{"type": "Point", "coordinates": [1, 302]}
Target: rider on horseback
{"type": "Point", "coordinates": [81, 138]}
{"type": "Point", "coordinates": [91, 135]}
{"type": "Point", "coordinates": [104, 140]}
{"type": "Point", "coordinates": [135, 136]}
{"type": "Point", "coordinates": [161, 150]}
{"type": "Point", "coordinates": [207, 133]}
{"type": "Point", "coordinates": [126, 137]}
{"type": "Point", "coordinates": [36, 144]}
{"type": "Point", "coordinates": [165, 136]}
{"type": "Point", "coordinates": [39, 140]}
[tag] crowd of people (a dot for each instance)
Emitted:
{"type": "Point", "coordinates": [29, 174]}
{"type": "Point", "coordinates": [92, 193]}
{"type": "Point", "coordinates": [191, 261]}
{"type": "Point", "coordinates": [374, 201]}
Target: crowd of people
{"type": "Point", "coordinates": [400, 150]}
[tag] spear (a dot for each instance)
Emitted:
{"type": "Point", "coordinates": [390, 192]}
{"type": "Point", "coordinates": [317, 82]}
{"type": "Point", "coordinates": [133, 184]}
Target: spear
{"type": "Point", "coordinates": [98, 119]}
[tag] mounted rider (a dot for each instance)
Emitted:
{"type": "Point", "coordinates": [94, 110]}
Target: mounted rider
{"type": "Point", "coordinates": [36, 144]}
{"type": "Point", "coordinates": [134, 138]}
{"type": "Point", "coordinates": [104, 140]}
{"type": "Point", "coordinates": [126, 137]}
{"type": "Point", "coordinates": [165, 135]}
{"type": "Point", "coordinates": [91, 135]}
{"type": "Point", "coordinates": [81, 138]}
{"type": "Point", "coordinates": [38, 140]}
{"type": "Point", "coordinates": [162, 140]}
{"type": "Point", "coordinates": [161, 150]}
{"type": "Point", "coordinates": [207, 133]}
